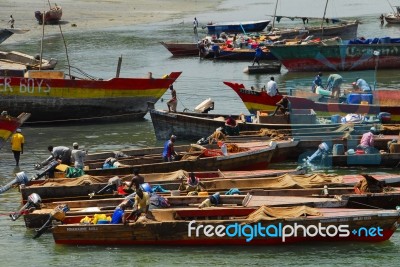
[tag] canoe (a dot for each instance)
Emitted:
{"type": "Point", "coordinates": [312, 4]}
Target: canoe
{"type": "Point", "coordinates": [181, 49]}
{"type": "Point", "coordinates": [164, 229]}
{"type": "Point", "coordinates": [49, 96]}
{"type": "Point", "coordinates": [270, 67]}
{"type": "Point", "coordinates": [391, 160]}
{"type": "Point", "coordinates": [13, 59]}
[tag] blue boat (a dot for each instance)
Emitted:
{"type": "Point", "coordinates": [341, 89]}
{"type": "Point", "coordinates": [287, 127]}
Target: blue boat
{"type": "Point", "coordinates": [237, 27]}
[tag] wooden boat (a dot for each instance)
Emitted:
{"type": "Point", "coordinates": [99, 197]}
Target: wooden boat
{"type": "Point", "coordinates": [391, 160]}
{"type": "Point", "coordinates": [237, 27]}
{"type": "Point", "coordinates": [323, 106]}
{"type": "Point", "coordinates": [181, 49]}
{"type": "Point", "coordinates": [270, 67]}
{"type": "Point", "coordinates": [250, 156]}
{"type": "Point", "coordinates": [237, 54]}
{"type": "Point", "coordinates": [9, 124]}
{"type": "Point", "coordinates": [49, 96]}
{"type": "Point", "coordinates": [5, 33]}
{"type": "Point", "coordinates": [393, 18]}
{"type": "Point", "coordinates": [192, 126]}
{"type": "Point", "coordinates": [341, 56]}
{"type": "Point", "coordinates": [167, 229]}
{"type": "Point", "coordinates": [9, 59]}
{"type": "Point", "coordinates": [51, 16]}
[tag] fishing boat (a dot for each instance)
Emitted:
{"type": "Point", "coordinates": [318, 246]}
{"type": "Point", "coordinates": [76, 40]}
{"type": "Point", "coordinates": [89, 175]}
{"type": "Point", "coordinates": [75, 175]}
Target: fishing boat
{"type": "Point", "coordinates": [51, 95]}
{"type": "Point", "coordinates": [10, 61]}
{"type": "Point", "coordinates": [5, 33]}
{"type": "Point", "coordinates": [270, 67]}
{"type": "Point", "coordinates": [237, 27]}
{"type": "Point", "coordinates": [390, 160]}
{"type": "Point", "coordinates": [165, 228]}
{"type": "Point", "coordinates": [51, 16]}
{"type": "Point", "coordinates": [393, 18]}
{"type": "Point", "coordinates": [256, 100]}
{"type": "Point", "coordinates": [9, 124]}
{"type": "Point", "coordinates": [181, 49]}
{"type": "Point", "coordinates": [353, 54]}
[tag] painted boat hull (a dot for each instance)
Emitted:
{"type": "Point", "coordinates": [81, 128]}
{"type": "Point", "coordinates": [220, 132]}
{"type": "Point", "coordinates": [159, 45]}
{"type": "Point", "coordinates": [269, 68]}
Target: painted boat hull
{"type": "Point", "coordinates": [8, 125]}
{"type": "Point", "coordinates": [237, 27]}
{"type": "Point", "coordinates": [342, 57]}
{"type": "Point", "coordinates": [258, 101]}
{"type": "Point", "coordinates": [182, 49]}
{"type": "Point", "coordinates": [176, 232]}
{"type": "Point", "coordinates": [238, 54]}
{"type": "Point", "coordinates": [76, 101]}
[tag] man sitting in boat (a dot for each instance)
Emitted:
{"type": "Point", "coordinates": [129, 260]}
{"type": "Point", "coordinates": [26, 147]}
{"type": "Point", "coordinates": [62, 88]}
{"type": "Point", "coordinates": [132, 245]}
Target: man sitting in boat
{"type": "Point", "coordinates": [192, 185]}
{"type": "Point", "coordinates": [334, 82]}
{"type": "Point", "coordinates": [118, 215]}
{"type": "Point", "coordinates": [231, 126]}
{"type": "Point", "coordinates": [283, 106]}
{"type": "Point", "coordinates": [362, 85]}
{"type": "Point", "coordinates": [137, 180]}
{"type": "Point", "coordinates": [142, 204]}
{"type": "Point", "coordinates": [272, 87]}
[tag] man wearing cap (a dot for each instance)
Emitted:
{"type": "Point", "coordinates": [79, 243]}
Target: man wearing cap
{"type": "Point", "coordinates": [169, 151]}
{"type": "Point", "coordinates": [17, 145]}
{"type": "Point", "coordinates": [78, 156]}
{"type": "Point", "coordinates": [367, 141]}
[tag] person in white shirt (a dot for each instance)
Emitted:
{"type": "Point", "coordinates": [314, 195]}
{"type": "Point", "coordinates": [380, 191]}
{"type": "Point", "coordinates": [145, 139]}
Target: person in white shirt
{"type": "Point", "coordinates": [78, 156]}
{"type": "Point", "coordinates": [272, 87]}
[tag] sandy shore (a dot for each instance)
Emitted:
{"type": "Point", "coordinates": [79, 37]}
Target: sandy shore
{"type": "Point", "coordinates": [97, 14]}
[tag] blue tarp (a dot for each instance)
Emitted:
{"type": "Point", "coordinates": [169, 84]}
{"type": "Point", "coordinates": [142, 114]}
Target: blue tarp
{"type": "Point", "coordinates": [384, 40]}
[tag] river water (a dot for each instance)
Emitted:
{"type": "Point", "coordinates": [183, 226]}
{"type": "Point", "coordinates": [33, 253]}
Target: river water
{"type": "Point", "coordinates": [96, 52]}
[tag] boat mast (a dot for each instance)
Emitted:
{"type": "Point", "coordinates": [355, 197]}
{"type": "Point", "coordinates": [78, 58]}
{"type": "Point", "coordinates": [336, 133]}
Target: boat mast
{"type": "Point", "coordinates": [323, 18]}
{"type": "Point", "coordinates": [391, 6]}
{"type": "Point", "coordinates": [273, 21]}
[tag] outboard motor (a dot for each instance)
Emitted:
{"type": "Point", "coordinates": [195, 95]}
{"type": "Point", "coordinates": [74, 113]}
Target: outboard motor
{"type": "Point", "coordinates": [20, 178]}
{"type": "Point", "coordinates": [58, 213]}
{"type": "Point", "coordinates": [113, 182]}
{"type": "Point", "coordinates": [34, 200]}
{"type": "Point", "coordinates": [49, 168]}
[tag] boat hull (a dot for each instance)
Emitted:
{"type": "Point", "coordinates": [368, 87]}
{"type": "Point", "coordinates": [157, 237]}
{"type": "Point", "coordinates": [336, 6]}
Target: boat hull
{"type": "Point", "coordinates": [182, 49]}
{"type": "Point", "coordinates": [64, 100]}
{"type": "Point", "coordinates": [341, 57]}
{"type": "Point", "coordinates": [237, 27]}
{"type": "Point", "coordinates": [8, 125]}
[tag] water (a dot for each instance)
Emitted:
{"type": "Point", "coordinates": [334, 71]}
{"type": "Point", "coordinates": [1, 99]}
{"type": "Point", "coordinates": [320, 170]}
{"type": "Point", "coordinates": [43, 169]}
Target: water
{"type": "Point", "coordinates": [97, 52]}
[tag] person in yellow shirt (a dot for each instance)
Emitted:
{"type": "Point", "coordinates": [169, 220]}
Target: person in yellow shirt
{"type": "Point", "coordinates": [142, 203]}
{"type": "Point", "coordinates": [17, 145]}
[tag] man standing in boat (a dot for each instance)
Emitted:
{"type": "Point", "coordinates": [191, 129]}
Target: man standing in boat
{"type": "Point", "coordinates": [137, 179]}
{"type": "Point", "coordinates": [257, 56]}
{"type": "Point", "coordinates": [317, 82]}
{"type": "Point", "coordinates": [169, 153]}
{"type": "Point", "coordinates": [334, 82]}
{"type": "Point", "coordinates": [78, 156]}
{"type": "Point", "coordinates": [173, 102]}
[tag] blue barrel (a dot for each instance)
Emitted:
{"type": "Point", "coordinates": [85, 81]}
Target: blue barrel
{"type": "Point", "coordinates": [367, 97]}
{"type": "Point", "coordinates": [335, 118]}
{"type": "Point", "coordinates": [338, 149]}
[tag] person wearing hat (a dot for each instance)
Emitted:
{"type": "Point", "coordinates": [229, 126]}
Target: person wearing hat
{"type": "Point", "coordinates": [17, 145]}
{"type": "Point", "coordinates": [78, 156]}
{"type": "Point", "coordinates": [317, 82]}
{"type": "Point", "coordinates": [169, 153]}
{"type": "Point", "coordinates": [361, 84]}
{"type": "Point", "coordinates": [367, 141]}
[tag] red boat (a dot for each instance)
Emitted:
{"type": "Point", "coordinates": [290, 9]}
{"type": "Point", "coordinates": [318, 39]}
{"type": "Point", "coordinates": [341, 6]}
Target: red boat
{"type": "Point", "coordinates": [260, 101]}
{"type": "Point", "coordinates": [51, 97]}
{"type": "Point", "coordinates": [182, 49]}
{"type": "Point", "coordinates": [8, 125]}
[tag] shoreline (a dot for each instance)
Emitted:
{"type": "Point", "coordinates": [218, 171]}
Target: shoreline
{"type": "Point", "coordinates": [90, 15]}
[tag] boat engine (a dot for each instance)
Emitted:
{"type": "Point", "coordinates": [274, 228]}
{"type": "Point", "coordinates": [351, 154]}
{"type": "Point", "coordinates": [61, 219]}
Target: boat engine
{"type": "Point", "coordinates": [113, 183]}
{"type": "Point", "coordinates": [58, 213]}
{"type": "Point", "coordinates": [34, 201]}
{"type": "Point", "coordinates": [205, 106]}
{"type": "Point", "coordinates": [49, 168]}
{"type": "Point", "coordinates": [20, 178]}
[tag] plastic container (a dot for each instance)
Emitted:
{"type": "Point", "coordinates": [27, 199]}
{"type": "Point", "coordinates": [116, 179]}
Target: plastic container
{"type": "Point", "coordinates": [103, 222]}
{"type": "Point", "coordinates": [248, 118]}
{"type": "Point", "coordinates": [203, 194]}
{"type": "Point", "coordinates": [335, 118]}
{"type": "Point", "coordinates": [367, 98]}
{"type": "Point", "coordinates": [354, 99]}
{"type": "Point", "coordinates": [338, 149]}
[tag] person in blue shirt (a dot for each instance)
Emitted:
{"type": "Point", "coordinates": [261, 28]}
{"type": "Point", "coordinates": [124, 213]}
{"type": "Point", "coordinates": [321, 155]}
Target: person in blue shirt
{"type": "Point", "coordinates": [118, 215]}
{"type": "Point", "coordinates": [362, 85]}
{"type": "Point", "coordinates": [257, 56]}
{"type": "Point", "coordinates": [317, 82]}
{"type": "Point", "coordinates": [169, 153]}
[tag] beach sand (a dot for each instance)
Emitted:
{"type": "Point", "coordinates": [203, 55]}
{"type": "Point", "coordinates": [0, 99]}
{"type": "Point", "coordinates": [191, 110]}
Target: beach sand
{"type": "Point", "coordinates": [86, 15]}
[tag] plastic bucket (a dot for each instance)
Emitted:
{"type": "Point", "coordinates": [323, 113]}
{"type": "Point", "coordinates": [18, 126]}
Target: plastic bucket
{"type": "Point", "coordinates": [338, 149]}
{"type": "Point", "coordinates": [248, 118]}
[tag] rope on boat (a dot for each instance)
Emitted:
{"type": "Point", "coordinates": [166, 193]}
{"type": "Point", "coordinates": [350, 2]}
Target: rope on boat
{"type": "Point", "coordinates": [81, 72]}
{"type": "Point", "coordinates": [363, 204]}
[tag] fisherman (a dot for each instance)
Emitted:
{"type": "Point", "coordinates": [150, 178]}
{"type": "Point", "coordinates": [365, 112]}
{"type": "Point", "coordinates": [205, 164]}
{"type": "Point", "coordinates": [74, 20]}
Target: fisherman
{"type": "Point", "coordinates": [60, 153]}
{"type": "Point", "coordinates": [118, 215]}
{"type": "Point", "coordinates": [142, 203]}
{"type": "Point", "coordinates": [192, 185]}
{"type": "Point", "coordinates": [333, 84]}
{"type": "Point", "coordinates": [361, 84]}
{"type": "Point", "coordinates": [317, 82]}
{"type": "Point", "coordinates": [137, 179]}
{"type": "Point", "coordinates": [173, 102]}
{"type": "Point", "coordinates": [169, 153]}
{"type": "Point", "coordinates": [272, 87]}
{"type": "Point", "coordinates": [257, 55]}
{"type": "Point", "coordinates": [382, 18]}
{"type": "Point", "coordinates": [367, 141]}
{"type": "Point", "coordinates": [282, 105]}
{"type": "Point", "coordinates": [11, 22]}
{"type": "Point", "coordinates": [195, 25]}
{"type": "Point", "coordinates": [231, 126]}
{"type": "Point", "coordinates": [78, 156]}
{"type": "Point", "coordinates": [17, 145]}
